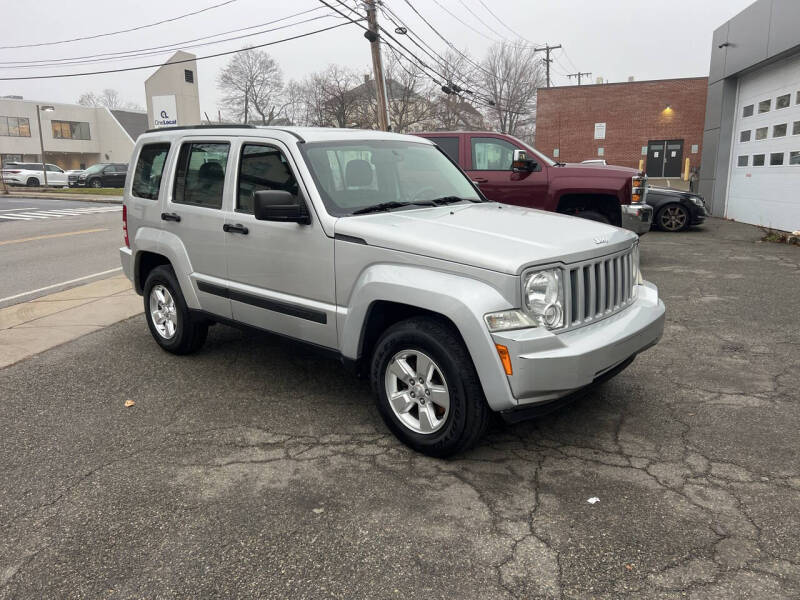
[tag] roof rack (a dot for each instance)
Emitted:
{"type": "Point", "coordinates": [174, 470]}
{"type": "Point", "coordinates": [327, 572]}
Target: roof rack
{"type": "Point", "coordinates": [217, 126]}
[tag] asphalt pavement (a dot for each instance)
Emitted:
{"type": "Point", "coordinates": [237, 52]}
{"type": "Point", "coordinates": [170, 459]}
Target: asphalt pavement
{"type": "Point", "coordinates": [258, 469]}
{"type": "Point", "coordinates": [50, 244]}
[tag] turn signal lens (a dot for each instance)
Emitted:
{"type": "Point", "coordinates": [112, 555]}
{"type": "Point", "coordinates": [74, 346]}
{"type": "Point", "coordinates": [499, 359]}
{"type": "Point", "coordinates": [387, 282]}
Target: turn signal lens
{"type": "Point", "coordinates": [125, 225]}
{"type": "Point", "coordinates": [505, 358]}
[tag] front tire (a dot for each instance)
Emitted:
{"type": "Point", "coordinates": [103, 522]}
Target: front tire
{"type": "Point", "coordinates": [168, 317]}
{"type": "Point", "coordinates": [96, 183]}
{"type": "Point", "coordinates": [673, 217]}
{"type": "Point", "coordinates": [426, 387]}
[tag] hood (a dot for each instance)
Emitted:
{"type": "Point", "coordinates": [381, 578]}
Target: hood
{"type": "Point", "coordinates": [489, 235]}
{"type": "Point", "coordinates": [670, 191]}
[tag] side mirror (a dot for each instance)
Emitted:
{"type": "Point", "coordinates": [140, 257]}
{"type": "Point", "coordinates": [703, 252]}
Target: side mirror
{"type": "Point", "coordinates": [280, 205]}
{"type": "Point", "coordinates": [521, 163]}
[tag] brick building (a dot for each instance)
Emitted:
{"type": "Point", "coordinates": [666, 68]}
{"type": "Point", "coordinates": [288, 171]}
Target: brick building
{"type": "Point", "coordinates": [653, 125]}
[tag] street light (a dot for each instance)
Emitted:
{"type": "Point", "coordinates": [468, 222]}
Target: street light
{"type": "Point", "coordinates": [39, 111]}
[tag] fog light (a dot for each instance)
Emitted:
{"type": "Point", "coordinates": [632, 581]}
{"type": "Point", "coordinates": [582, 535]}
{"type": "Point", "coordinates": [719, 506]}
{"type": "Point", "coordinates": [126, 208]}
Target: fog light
{"type": "Point", "coordinates": [552, 315]}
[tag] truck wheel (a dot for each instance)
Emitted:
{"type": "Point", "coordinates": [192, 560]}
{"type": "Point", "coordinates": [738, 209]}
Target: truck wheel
{"type": "Point", "coordinates": [426, 387]}
{"type": "Point", "coordinates": [592, 215]}
{"type": "Point", "coordinates": [168, 317]}
{"type": "Point", "coordinates": [32, 182]}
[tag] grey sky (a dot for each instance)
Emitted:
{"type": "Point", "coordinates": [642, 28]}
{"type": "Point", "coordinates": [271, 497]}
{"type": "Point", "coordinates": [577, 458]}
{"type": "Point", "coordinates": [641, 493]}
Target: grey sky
{"type": "Point", "coordinates": [611, 38]}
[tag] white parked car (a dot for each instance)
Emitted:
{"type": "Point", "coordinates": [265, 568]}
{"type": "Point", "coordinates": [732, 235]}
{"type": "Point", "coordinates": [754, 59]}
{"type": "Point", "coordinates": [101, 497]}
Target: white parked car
{"type": "Point", "coordinates": [30, 174]}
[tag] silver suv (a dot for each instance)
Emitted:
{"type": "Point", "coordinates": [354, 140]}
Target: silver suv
{"type": "Point", "coordinates": [377, 247]}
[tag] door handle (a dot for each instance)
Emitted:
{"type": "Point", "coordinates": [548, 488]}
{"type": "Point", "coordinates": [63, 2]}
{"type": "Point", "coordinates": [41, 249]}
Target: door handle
{"type": "Point", "coordinates": [238, 228]}
{"type": "Point", "coordinates": [171, 217]}
{"type": "Point", "coordinates": [480, 179]}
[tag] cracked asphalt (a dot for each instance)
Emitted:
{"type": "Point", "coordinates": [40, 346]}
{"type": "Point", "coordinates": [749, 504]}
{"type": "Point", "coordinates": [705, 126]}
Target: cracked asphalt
{"type": "Point", "coordinates": [256, 469]}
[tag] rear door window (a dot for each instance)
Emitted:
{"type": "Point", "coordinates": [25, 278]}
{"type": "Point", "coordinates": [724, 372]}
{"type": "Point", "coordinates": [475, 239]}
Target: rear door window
{"type": "Point", "coordinates": [450, 145]}
{"type": "Point", "coordinates": [200, 177]}
{"type": "Point", "coordinates": [149, 168]}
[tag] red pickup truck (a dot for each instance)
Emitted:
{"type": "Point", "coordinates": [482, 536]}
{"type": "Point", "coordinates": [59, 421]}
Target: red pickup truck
{"type": "Point", "coordinates": [609, 194]}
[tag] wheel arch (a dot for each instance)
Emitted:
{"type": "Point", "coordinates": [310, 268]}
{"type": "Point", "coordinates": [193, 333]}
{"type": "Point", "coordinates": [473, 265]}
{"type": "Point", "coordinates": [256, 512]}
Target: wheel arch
{"type": "Point", "coordinates": [605, 204]}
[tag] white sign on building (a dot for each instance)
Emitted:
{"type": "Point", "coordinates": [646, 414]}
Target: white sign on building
{"type": "Point", "coordinates": [599, 131]}
{"type": "Point", "coordinates": [165, 111]}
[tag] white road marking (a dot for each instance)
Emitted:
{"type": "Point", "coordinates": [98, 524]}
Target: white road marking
{"type": "Point", "coordinates": [14, 218]}
{"type": "Point", "coordinates": [16, 209]}
{"type": "Point", "coordinates": [27, 214]}
{"type": "Point", "coordinates": [55, 285]}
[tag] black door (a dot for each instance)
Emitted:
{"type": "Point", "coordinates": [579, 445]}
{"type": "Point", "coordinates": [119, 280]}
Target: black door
{"type": "Point", "coordinates": [673, 158]}
{"type": "Point", "coordinates": [655, 158]}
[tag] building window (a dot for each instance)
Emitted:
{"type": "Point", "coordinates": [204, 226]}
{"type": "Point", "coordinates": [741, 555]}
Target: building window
{"type": "Point", "coordinates": [7, 158]}
{"type": "Point", "coordinates": [761, 133]}
{"type": "Point", "coordinates": [779, 130]}
{"type": "Point", "coordinates": [744, 136]}
{"type": "Point", "coordinates": [794, 158]}
{"type": "Point", "coordinates": [776, 159]}
{"type": "Point", "coordinates": [601, 151]}
{"type": "Point", "coordinates": [15, 127]}
{"type": "Point", "coordinates": [758, 160]}
{"type": "Point", "coordinates": [742, 161]}
{"type": "Point", "coordinates": [796, 128]}
{"type": "Point", "coordinates": [747, 111]}
{"type": "Point", "coordinates": [783, 101]}
{"type": "Point", "coordinates": [70, 130]}
{"type": "Point", "coordinates": [764, 106]}
{"type": "Point", "coordinates": [188, 75]}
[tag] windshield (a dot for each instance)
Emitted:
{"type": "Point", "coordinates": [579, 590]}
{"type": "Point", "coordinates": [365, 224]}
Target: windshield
{"type": "Point", "coordinates": [95, 168]}
{"type": "Point", "coordinates": [353, 176]}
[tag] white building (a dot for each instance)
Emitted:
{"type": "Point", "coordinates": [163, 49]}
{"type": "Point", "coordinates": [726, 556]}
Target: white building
{"type": "Point", "coordinates": [73, 136]}
{"type": "Point", "coordinates": [751, 144]}
{"type": "Point", "coordinates": [172, 95]}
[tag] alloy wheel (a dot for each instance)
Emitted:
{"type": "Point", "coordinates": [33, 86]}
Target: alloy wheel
{"type": "Point", "coordinates": [163, 311]}
{"type": "Point", "coordinates": [673, 218]}
{"type": "Point", "coordinates": [417, 391]}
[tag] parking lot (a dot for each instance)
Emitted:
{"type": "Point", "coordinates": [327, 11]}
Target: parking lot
{"type": "Point", "coordinates": [256, 469]}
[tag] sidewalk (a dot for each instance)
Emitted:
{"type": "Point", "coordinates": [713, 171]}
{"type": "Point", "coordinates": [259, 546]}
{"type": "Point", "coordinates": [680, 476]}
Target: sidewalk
{"type": "Point", "coordinates": [33, 327]}
{"type": "Point", "coordinates": [61, 196]}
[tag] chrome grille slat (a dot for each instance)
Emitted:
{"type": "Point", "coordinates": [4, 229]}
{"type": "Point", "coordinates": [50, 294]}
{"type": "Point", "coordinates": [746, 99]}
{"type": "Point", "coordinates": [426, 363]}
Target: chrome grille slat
{"type": "Point", "coordinates": [597, 288]}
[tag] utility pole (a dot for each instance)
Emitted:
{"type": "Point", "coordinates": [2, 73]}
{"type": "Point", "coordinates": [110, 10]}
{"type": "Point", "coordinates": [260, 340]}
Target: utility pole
{"type": "Point", "coordinates": [578, 75]}
{"type": "Point", "coordinates": [547, 60]}
{"type": "Point", "coordinates": [377, 65]}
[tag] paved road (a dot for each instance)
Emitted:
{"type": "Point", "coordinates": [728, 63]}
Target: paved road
{"type": "Point", "coordinates": [45, 242]}
{"type": "Point", "coordinates": [255, 469]}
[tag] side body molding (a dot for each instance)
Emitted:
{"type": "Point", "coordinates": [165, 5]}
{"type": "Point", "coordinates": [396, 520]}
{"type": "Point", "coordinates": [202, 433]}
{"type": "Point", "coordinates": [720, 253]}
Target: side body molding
{"type": "Point", "coordinates": [461, 299]}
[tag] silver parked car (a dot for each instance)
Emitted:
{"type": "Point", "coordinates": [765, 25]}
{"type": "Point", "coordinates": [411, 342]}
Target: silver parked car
{"type": "Point", "coordinates": [376, 247]}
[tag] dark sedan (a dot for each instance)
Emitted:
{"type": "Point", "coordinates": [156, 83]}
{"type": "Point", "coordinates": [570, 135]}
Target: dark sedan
{"type": "Point", "coordinates": [675, 210]}
{"type": "Point", "coordinates": [101, 175]}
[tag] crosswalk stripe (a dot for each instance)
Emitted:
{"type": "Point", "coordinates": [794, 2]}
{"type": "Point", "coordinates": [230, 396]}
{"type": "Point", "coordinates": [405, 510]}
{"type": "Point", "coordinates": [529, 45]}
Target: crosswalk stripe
{"type": "Point", "coordinates": [15, 218]}
{"type": "Point", "coordinates": [32, 215]}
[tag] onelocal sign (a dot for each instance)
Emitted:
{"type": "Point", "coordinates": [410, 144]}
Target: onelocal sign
{"type": "Point", "coordinates": [165, 111]}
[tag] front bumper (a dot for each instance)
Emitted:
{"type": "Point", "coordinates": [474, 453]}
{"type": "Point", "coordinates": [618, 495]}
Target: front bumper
{"type": "Point", "coordinates": [637, 217]}
{"type": "Point", "coordinates": [547, 366]}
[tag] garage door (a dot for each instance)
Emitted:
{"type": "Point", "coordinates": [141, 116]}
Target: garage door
{"type": "Point", "coordinates": [764, 187]}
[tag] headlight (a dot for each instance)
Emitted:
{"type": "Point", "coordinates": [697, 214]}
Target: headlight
{"type": "Point", "coordinates": [636, 271]}
{"type": "Point", "coordinates": [543, 297]}
{"type": "Point", "coordinates": [507, 320]}
{"type": "Point", "coordinates": [638, 189]}
{"type": "Point", "coordinates": [696, 200]}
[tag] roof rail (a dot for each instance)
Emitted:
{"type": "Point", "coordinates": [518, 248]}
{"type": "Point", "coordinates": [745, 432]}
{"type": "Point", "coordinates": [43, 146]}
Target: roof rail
{"type": "Point", "coordinates": [217, 126]}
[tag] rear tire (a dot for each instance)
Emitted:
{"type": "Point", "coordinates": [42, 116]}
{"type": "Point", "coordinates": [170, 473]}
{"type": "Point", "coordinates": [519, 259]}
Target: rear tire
{"type": "Point", "coordinates": [32, 182]}
{"type": "Point", "coordinates": [168, 317]}
{"type": "Point", "coordinates": [430, 349]}
{"type": "Point", "coordinates": [593, 215]}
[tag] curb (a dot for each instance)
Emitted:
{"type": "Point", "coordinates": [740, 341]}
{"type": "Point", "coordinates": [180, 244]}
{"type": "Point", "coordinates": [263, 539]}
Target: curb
{"type": "Point", "coordinates": [51, 196]}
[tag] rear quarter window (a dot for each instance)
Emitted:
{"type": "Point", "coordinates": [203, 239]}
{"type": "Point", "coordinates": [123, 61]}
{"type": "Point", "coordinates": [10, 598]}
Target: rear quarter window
{"type": "Point", "coordinates": [149, 169]}
{"type": "Point", "coordinates": [450, 145]}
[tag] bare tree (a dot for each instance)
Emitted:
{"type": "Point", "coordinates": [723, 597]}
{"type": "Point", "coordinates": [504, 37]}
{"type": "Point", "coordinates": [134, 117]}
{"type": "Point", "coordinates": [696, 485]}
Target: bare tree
{"type": "Point", "coordinates": [108, 98]}
{"type": "Point", "coordinates": [511, 75]}
{"type": "Point", "coordinates": [339, 105]}
{"type": "Point", "coordinates": [252, 83]}
{"type": "Point", "coordinates": [458, 111]}
{"type": "Point", "coordinates": [411, 93]}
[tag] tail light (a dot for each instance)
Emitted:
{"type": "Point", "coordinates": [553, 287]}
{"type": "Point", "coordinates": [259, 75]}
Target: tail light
{"type": "Point", "coordinates": [125, 225]}
{"type": "Point", "coordinates": [11, 172]}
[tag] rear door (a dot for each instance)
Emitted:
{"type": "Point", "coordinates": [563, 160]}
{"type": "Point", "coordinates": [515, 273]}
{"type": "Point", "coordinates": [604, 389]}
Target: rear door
{"type": "Point", "coordinates": [281, 275]}
{"type": "Point", "coordinates": [56, 175]}
{"type": "Point", "coordinates": [193, 212]}
{"type": "Point", "coordinates": [489, 166]}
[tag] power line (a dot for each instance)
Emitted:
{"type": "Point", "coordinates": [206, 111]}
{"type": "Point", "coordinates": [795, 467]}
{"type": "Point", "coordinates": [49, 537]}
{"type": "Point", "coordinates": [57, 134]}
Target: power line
{"type": "Point", "coordinates": [464, 23]}
{"type": "Point", "coordinates": [547, 48]}
{"type": "Point", "coordinates": [465, 5]}
{"type": "Point", "coordinates": [171, 47]}
{"type": "Point", "coordinates": [137, 28]}
{"type": "Point", "coordinates": [579, 75]}
{"type": "Point", "coordinates": [167, 47]}
{"type": "Point", "coordinates": [504, 24]}
{"type": "Point", "coordinates": [177, 62]}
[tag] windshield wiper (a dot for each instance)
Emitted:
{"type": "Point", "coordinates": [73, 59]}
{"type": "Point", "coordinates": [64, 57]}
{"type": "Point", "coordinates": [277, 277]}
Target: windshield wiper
{"type": "Point", "coordinates": [560, 164]}
{"type": "Point", "coordinates": [384, 206]}
{"type": "Point", "coordinates": [452, 200]}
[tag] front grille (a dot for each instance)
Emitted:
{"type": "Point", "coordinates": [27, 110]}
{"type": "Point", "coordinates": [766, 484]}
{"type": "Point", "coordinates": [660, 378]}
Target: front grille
{"type": "Point", "coordinates": [598, 288]}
